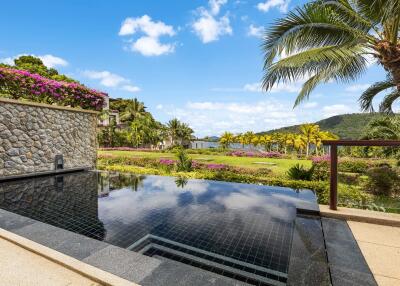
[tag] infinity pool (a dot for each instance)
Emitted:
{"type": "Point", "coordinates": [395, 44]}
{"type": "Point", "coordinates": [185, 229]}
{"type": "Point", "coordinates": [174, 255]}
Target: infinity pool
{"type": "Point", "coordinates": [237, 230]}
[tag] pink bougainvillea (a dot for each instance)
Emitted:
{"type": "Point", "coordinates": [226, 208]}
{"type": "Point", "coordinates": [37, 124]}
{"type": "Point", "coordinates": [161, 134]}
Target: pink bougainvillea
{"type": "Point", "coordinates": [320, 159]}
{"type": "Point", "coordinates": [258, 154]}
{"type": "Point", "coordinates": [20, 84]}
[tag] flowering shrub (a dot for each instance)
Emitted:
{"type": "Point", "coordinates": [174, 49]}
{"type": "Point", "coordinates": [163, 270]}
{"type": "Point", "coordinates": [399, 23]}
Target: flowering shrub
{"type": "Point", "coordinates": [239, 153]}
{"type": "Point", "coordinates": [216, 166]}
{"type": "Point", "coordinates": [167, 162]}
{"type": "Point", "coordinates": [320, 159]}
{"type": "Point", "coordinates": [127, 149]}
{"type": "Point", "coordinates": [23, 84]}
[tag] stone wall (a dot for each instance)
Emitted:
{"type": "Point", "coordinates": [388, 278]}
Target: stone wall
{"type": "Point", "coordinates": [31, 134]}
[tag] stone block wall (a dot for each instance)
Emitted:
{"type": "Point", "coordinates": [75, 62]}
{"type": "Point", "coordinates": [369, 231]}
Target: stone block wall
{"type": "Point", "coordinates": [32, 134]}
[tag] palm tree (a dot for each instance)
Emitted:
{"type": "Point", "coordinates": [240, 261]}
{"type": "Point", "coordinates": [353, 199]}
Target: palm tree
{"type": "Point", "coordinates": [386, 127]}
{"type": "Point", "coordinates": [226, 139]}
{"type": "Point", "coordinates": [178, 131]}
{"type": "Point", "coordinates": [266, 140]}
{"type": "Point", "coordinates": [133, 109]}
{"type": "Point", "coordinates": [248, 137]}
{"type": "Point", "coordinates": [173, 129]}
{"type": "Point", "coordinates": [329, 40]}
{"type": "Point", "coordinates": [308, 131]}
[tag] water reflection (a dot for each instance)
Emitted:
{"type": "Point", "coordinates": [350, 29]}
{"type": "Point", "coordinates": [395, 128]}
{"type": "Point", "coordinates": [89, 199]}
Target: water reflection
{"type": "Point", "coordinates": [247, 222]}
{"type": "Point", "coordinates": [68, 201]}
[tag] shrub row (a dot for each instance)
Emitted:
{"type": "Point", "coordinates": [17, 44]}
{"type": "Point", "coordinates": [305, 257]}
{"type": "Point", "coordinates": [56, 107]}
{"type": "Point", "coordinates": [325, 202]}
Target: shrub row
{"type": "Point", "coordinates": [20, 84]}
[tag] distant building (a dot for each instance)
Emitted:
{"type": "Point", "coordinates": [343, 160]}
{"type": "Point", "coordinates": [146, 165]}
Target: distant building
{"type": "Point", "coordinates": [109, 115]}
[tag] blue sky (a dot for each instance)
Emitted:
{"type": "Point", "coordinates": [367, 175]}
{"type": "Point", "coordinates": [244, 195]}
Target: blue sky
{"type": "Point", "coordinates": [199, 61]}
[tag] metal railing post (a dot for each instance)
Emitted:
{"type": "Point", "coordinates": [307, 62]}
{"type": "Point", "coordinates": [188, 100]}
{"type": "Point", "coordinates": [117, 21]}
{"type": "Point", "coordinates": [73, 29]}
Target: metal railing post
{"type": "Point", "coordinates": [333, 178]}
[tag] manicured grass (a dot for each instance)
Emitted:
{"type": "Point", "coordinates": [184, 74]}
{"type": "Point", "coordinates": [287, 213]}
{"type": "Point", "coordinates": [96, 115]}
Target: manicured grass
{"type": "Point", "coordinates": [280, 169]}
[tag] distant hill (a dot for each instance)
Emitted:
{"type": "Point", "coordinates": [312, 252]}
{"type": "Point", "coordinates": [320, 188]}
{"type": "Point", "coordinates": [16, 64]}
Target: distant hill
{"type": "Point", "coordinates": [346, 126]}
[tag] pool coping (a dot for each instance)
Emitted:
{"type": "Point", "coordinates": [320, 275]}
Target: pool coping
{"type": "Point", "coordinates": [43, 174]}
{"type": "Point", "coordinates": [360, 215]}
{"type": "Point", "coordinates": [75, 265]}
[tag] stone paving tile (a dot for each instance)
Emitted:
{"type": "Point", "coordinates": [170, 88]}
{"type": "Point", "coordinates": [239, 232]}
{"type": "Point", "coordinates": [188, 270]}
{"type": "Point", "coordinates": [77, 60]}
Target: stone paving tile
{"type": "Point", "coordinates": [123, 263]}
{"type": "Point", "coordinates": [72, 244]}
{"type": "Point", "coordinates": [178, 274]}
{"type": "Point", "coordinates": [21, 267]}
{"type": "Point", "coordinates": [346, 261]}
{"type": "Point", "coordinates": [344, 277]}
{"type": "Point", "coordinates": [386, 281]}
{"type": "Point", "coordinates": [383, 260]}
{"type": "Point", "coordinates": [380, 247]}
{"type": "Point", "coordinates": [11, 221]}
{"type": "Point", "coordinates": [308, 263]}
{"type": "Point", "coordinates": [380, 234]}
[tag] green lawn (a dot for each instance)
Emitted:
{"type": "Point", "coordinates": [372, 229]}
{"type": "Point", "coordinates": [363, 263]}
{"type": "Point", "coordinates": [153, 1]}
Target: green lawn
{"type": "Point", "coordinates": [278, 166]}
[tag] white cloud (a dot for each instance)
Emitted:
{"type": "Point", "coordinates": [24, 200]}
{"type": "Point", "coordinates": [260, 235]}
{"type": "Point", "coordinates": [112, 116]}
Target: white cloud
{"type": "Point", "coordinates": [208, 27]}
{"type": "Point", "coordinates": [159, 106]}
{"type": "Point", "coordinates": [215, 6]}
{"type": "Point", "coordinates": [106, 78]}
{"type": "Point", "coordinates": [358, 87]}
{"type": "Point", "coordinates": [282, 5]}
{"type": "Point", "coordinates": [130, 88]}
{"type": "Point", "coordinates": [282, 87]}
{"type": "Point", "coordinates": [309, 105]}
{"type": "Point", "coordinates": [109, 79]}
{"type": "Point", "coordinates": [256, 31]}
{"type": "Point", "coordinates": [213, 117]}
{"type": "Point", "coordinates": [48, 60]}
{"type": "Point", "coordinates": [149, 44]}
{"type": "Point", "coordinates": [336, 109]}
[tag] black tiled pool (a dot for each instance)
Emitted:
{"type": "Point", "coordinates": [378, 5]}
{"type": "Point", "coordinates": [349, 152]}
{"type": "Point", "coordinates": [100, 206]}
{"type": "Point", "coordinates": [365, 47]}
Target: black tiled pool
{"type": "Point", "coordinates": [236, 230]}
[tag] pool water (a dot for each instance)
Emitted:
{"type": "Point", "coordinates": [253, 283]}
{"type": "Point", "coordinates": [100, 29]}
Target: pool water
{"type": "Point", "coordinates": [237, 230]}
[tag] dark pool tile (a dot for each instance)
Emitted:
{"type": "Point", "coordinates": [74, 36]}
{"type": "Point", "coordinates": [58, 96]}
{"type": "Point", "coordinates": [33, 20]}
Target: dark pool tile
{"type": "Point", "coordinates": [178, 274]}
{"type": "Point", "coordinates": [123, 263]}
{"type": "Point", "coordinates": [11, 221]}
{"type": "Point", "coordinates": [344, 277]}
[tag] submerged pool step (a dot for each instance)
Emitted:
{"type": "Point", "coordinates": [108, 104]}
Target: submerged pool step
{"type": "Point", "coordinates": [152, 245]}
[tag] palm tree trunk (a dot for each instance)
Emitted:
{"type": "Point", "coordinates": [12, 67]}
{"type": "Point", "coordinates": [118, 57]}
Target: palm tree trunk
{"type": "Point", "coordinates": [307, 149]}
{"type": "Point", "coordinates": [389, 57]}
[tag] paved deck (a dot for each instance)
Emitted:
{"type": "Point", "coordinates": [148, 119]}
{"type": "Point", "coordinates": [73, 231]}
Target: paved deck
{"type": "Point", "coordinates": [25, 262]}
{"type": "Point", "coordinates": [380, 246]}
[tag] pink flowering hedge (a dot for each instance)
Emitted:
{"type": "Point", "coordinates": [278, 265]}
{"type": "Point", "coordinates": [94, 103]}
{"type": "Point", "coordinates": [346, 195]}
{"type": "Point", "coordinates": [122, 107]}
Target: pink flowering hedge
{"type": "Point", "coordinates": [240, 153]}
{"type": "Point", "coordinates": [128, 149]}
{"type": "Point", "coordinates": [20, 84]}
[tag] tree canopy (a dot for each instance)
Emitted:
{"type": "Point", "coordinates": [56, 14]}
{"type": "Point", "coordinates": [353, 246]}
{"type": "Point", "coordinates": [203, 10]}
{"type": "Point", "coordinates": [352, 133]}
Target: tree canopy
{"type": "Point", "coordinates": [334, 40]}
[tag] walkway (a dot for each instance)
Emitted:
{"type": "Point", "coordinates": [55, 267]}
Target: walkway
{"type": "Point", "coordinates": [380, 246]}
{"type": "Point", "coordinates": [26, 263]}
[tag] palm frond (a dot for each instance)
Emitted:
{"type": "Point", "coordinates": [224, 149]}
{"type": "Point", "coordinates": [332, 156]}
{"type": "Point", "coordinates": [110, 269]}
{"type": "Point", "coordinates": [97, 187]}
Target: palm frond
{"type": "Point", "coordinates": [366, 98]}
{"type": "Point", "coordinates": [387, 102]}
{"type": "Point", "coordinates": [314, 25]}
{"type": "Point", "coordinates": [341, 63]}
{"type": "Point", "coordinates": [347, 12]}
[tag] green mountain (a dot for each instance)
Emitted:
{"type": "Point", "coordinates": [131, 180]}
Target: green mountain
{"type": "Point", "coordinates": [346, 126]}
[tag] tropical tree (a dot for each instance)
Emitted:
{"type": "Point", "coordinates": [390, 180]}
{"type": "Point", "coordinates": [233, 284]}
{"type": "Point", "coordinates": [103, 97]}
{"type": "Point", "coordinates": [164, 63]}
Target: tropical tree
{"type": "Point", "coordinates": [266, 141]}
{"type": "Point", "coordinates": [227, 138]}
{"type": "Point", "coordinates": [385, 127]}
{"type": "Point", "coordinates": [319, 136]}
{"type": "Point", "coordinates": [335, 40]}
{"type": "Point", "coordinates": [178, 131]}
{"type": "Point", "coordinates": [173, 129]}
{"type": "Point", "coordinates": [308, 131]}
{"type": "Point", "coordinates": [133, 109]}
